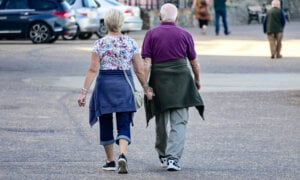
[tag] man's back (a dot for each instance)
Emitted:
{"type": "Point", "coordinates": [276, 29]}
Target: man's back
{"type": "Point", "coordinates": [219, 5]}
{"type": "Point", "coordinates": [275, 20]}
{"type": "Point", "coordinates": [168, 42]}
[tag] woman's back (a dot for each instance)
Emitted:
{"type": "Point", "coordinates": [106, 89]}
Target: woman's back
{"type": "Point", "coordinates": [115, 52]}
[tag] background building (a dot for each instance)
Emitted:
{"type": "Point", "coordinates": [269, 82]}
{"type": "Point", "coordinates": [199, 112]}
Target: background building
{"type": "Point", "coordinates": [237, 10]}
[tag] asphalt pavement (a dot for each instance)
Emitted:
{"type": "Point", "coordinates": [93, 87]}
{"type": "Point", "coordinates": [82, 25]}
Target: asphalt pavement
{"type": "Point", "coordinates": [252, 112]}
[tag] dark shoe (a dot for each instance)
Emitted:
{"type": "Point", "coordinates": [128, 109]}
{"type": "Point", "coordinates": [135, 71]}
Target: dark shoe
{"type": "Point", "coordinates": [227, 33]}
{"type": "Point", "coordinates": [272, 57]}
{"type": "Point", "coordinates": [173, 165]}
{"type": "Point", "coordinates": [279, 56]}
{"type": "Point", "coordinates": [122, 162]}
{"type": "Point", "coordinates": [163, 162]}
{"type": "Point", "coordinates": [110, 166]}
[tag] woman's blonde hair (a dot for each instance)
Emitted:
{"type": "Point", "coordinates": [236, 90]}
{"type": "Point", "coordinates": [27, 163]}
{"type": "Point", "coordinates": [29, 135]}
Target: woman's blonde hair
{"type": "Point", "coordinates": [114, 20]}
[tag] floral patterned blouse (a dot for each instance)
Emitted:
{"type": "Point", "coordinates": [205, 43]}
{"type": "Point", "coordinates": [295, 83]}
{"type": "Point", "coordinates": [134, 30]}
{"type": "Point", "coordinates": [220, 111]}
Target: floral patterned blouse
{"type": "Point", "coordinates": [115, 52]}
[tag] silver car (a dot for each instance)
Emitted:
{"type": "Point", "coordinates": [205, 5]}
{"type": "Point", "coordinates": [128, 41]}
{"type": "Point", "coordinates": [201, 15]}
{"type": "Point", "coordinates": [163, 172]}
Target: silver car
{"type": "Point", "coordinates": [132, 22]}
{"type": "Point", "coordinates": [87, 18]}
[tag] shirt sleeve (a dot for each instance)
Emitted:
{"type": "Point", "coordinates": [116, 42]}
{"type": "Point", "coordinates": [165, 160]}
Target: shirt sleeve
{"type": "Point", "coordinates": [191, 53]}
{"type": "Point", "coordinates": [283, 19]}
{"type": "Point", "coordinates": [146, 50]}
{"type": "Point", "coordinates": [135, 47]}
{"type": "Point", "coordinates": [96, 46]}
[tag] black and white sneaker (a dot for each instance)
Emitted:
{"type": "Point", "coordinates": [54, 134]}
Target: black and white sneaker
{"type": "Point", "coordinates": [173, 165]}
{"type": "Point", "coordinates": [163, 162]}
{"type": "Point", "coordinates": [110, 166]}
{"type": "Point", "coordinates": [122, 162]}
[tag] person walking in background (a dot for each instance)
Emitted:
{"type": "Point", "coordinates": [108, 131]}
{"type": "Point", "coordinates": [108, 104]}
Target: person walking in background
{"type": "Point", "coordinates": [165, 51]}
{"type": "Point", "coordinates": [112, 93]}
{"type": "Point", "coordinates": [202, 13]}
{"type": "Point", "coordinates": [273, 24]}
{"type": "Point", "coordinates": [220, 10]}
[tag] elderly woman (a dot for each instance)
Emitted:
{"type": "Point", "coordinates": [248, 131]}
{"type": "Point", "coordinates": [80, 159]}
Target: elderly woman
{"type": "Point", "coordinates": [112, 93]}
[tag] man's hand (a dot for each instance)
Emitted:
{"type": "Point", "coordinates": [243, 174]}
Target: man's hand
{"type": "Point", "coordinates": [198, 85]}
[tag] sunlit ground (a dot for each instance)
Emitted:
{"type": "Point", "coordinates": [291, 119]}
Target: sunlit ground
{"type": "Point", "coordinates": [290, 48]}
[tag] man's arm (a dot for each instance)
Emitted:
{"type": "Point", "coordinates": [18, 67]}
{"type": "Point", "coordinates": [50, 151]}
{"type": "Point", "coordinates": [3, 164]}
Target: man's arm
{"type": "Point", "coordinates": [147, 68]}
{"type": "Point", "coordinates": [196, 70]}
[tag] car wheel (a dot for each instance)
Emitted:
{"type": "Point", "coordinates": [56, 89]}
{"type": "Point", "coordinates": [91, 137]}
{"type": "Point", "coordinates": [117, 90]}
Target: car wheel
{"type": "Point", "coordinates": [53, 39]}
{"type": "Point", "coordinates": [40, 33]}
{"type": "Point", "coordinates": [70, 36]}
{"type": "Point", "coordinates": [85, 36]}
{"type": "Point", "coordinates": [102, 30]}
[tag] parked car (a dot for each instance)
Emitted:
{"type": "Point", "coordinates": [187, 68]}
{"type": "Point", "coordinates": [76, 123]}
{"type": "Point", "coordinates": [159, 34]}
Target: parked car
{"type": "Point", "coordinates": [41, 21]}
{"type": "Point", "coordinates": [87, 18]}
{"type": "Point", "coordinates": [132, 22]}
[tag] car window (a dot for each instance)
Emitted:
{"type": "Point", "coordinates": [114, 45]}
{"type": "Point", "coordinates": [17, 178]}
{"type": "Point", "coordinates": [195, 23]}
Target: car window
{"type": "Point", "coordinates": [89, 3]}
{"type": "Point", "coordinates": [115, 3]}
{"type": "Point", "coordinates": [65, 5]}
{"type": "Point", "coordinates": [71, 2]}
{"type": "Point", "coordinates": [43, 5]}
{"type": "Point", "coordinates": [13, 4]}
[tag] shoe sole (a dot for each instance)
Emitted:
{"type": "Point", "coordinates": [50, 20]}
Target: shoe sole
{"type": "Point", "coordinates": [122, 166]}
{"type": "Point", "coordinates": [109, 168]}
{"type": "Point", "coordinates": [173, 169]}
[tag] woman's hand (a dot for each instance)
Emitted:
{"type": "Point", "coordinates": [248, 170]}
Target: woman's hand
{"type": "Point", "coordinates": [148, 91]}
{"type": "Point", "coordinates": [82, 100]}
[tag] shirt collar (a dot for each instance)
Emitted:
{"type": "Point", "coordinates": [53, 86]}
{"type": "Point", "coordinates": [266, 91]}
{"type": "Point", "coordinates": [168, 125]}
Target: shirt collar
{"type": "Point", "coordinates": [168, 23]}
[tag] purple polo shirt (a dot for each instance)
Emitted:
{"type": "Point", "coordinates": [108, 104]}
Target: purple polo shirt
{"type": "Point", "coordinates": [167, 42]}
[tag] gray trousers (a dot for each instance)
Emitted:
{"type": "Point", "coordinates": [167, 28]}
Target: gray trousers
{"type": "Point", "coordinates": [171, 144]}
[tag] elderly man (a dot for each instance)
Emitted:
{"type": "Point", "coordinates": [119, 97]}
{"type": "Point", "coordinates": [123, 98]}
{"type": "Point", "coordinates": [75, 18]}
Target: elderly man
{"type": "Point", "coordinates": [273, 26]}
{"type": "Point", "coordinates": [166, 50]}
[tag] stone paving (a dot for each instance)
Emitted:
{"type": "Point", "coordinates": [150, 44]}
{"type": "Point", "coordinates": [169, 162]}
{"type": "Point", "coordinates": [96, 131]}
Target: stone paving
{"type": "Point", "coordinates": [252, 113]}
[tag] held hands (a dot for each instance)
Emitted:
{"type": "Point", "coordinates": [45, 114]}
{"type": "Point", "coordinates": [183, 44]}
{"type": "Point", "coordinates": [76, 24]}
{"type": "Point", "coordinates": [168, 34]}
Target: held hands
{"type": "Point", "coordinates": [148, 91]}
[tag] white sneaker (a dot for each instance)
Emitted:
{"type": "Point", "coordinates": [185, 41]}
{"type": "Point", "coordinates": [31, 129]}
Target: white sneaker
{"type": "Point", "coordinates": [173, 165]}
{"type": "Point", "coordinates": [163, 162]}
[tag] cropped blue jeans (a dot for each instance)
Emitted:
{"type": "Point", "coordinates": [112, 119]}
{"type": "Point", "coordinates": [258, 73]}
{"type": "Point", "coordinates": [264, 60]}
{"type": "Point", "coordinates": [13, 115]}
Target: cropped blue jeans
{"type": "Point", "coordinates": [123, 121]}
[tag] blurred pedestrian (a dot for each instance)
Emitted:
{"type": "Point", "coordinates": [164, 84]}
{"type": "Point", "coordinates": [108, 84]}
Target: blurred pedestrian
{"type": "Point", "coordinates": [112, 93]}
{"type": "Point", "coordinates": [273, 25]}
{"type": "Point", "coordinates": [202, 14]}
{"type": "Point", "coordinates": [166, 51]}
{"type": "Point", "coordinates": [220, 11]}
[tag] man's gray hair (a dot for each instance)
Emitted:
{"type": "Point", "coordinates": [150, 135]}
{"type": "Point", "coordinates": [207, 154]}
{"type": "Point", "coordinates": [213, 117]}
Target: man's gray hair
{"type": "Point", "coordinates": [276, 3]}
{"type": "Point", "coordinates": [168, 12]}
